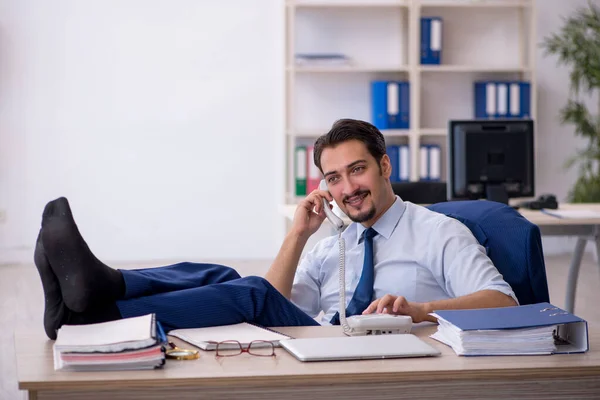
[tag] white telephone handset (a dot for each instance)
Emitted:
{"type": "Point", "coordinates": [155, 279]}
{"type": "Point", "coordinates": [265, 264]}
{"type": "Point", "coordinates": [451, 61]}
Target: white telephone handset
{"type": "Point", "coordinates": [336, 221]}
{"type": "Point", "coordinates": [359, 325]}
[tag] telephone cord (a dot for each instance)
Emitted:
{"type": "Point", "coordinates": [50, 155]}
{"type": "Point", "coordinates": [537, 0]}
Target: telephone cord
{"type": "Point", "coordinates": [342, 273]}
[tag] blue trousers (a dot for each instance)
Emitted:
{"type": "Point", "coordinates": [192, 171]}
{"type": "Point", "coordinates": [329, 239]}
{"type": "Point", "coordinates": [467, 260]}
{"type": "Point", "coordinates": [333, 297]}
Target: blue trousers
{"type": "Point", "coordinates": [191, 295]}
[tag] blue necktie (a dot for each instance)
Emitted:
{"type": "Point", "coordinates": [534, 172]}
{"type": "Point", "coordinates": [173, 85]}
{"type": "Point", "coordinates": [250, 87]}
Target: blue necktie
{"type": "Point", "coordinates": [363, 294]}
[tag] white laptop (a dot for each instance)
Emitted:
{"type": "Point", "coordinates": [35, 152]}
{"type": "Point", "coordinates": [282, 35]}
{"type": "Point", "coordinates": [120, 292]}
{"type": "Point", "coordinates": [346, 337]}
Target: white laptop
{"type": "Point", "coordinates": [358, 347]}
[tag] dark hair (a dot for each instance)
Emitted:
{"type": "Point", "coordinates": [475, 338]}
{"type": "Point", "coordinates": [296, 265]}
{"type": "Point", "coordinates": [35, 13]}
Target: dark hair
{"type": "Point", "coordinates": [351, 129]}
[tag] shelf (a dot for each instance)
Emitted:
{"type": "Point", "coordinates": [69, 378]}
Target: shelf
{"type": "Point", "coordinates": [382, 41]}
{"type": "Point", "coordinates": [313, 134]}
{"type": "Point", "coordinates": [434, 132]}
{"type": "Point", "coordinates": [346, 3]}
{"type": "Point", "coordinates": [476, 3]}
{"type": "Point", "coordinates": [472, 68]}
{"type": "Point", "coordinates": [345, 68]}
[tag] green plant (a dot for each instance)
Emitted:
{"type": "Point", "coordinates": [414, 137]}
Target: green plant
{"type": "Point", "coordinates": [577, 46]}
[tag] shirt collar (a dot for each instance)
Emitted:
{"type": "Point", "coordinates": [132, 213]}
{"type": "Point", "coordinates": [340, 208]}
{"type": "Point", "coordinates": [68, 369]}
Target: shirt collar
{"type": "Point", "coordinates": [386, 224]}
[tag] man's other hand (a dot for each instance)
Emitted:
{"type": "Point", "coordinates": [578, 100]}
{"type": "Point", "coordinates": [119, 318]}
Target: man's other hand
{"type": "Point", "coordinates": [398, 305]}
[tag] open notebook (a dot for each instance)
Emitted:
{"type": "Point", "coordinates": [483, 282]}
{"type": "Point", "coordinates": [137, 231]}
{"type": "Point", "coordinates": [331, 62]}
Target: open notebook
{"type": "Point", "coordinates": [207, 338]}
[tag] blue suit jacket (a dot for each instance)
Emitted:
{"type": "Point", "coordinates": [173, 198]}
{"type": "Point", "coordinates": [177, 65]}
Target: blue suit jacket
{"type": "Point", "coordinates": [512, 242]}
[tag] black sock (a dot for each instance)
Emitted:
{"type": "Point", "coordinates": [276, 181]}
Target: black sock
{"type": "Point", "coordinates": [93, 315]}
{"type": "Point", "coordinates": [84, 281]}
{"type": "Point", "coordinates": [54, 307]}
{"type": "Point", "coordinates": [56, 313]}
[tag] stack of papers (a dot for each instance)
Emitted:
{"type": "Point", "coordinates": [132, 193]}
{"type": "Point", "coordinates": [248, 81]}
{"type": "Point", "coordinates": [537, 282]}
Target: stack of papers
{"type": "Point", "coordinates": [496, 342]}
{"type": "Point", "coordinates": [522, 330]}
{"type": "Point", "coordinates": [126, 344]}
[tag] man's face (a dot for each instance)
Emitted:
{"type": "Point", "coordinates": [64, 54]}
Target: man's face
{"type": "Point", "coordinates": [355, 181]}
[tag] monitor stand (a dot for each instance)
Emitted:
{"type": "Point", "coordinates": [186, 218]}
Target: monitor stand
{"type": "Point", "coordinates": [496, 193]}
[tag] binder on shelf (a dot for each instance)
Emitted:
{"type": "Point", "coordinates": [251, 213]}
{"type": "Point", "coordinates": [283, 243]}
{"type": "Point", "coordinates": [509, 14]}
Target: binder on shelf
{"type": "Point", "coordinates": [404, 163]}
{"type": "Point", "coordinates": [313, 176]}
{"type": "Point", "coordinates": [514, 100]}
{"type": "Point", "coordinates": [431, 40]}
{"type": "Point", "coordinates": [300, 170]}
{"type": "Point", "coordinates": [524, 99]}
{"type": "Point", "coordinates": [502, 99]}
{"type": "Point", "coordinates": [424, 163]}
{"type": "Point", "coordinates": [430, 164]}
{"type": "Point", "coordinates": [390, 104]}
{"type": "Point", "coordinates": [485, 100]}
{"type": "Point", "coordinates": [519, 100]}
{"type": "Point", "coordinates": [434, 163]}
{"type": "Point", "coordinates": [530, 329]}
{"type": "Point", "coordinates": [393, 153]}
{"type": "Point", "coordinates": [404, 105]}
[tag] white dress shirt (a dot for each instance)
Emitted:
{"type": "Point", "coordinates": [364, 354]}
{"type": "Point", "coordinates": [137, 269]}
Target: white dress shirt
{"type": "Point", "coordinates": [418, 253]}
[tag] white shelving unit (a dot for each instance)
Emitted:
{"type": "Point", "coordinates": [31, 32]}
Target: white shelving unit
{"type": "Point", "coordinates": [482, 39]}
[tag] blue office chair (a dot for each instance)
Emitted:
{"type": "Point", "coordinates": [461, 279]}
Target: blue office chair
{"type": "Point", "coordinates": [512, 242]}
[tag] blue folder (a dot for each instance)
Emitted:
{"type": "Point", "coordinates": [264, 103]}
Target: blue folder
{"type": "Point", "coordinates": [390, 104]}
{"type": "Point", "coordinates": [431, 40]}
{"type": "Point", "coordinates": [393, 152]}
{"type": "Point", "coordinates": [571, 332]}
{"type": "Point", "coordinates": [525, 99]}
{"type": "Point", "coordinates": [514, 103]}
{"type": "Point", "coordinates": [485, 103]}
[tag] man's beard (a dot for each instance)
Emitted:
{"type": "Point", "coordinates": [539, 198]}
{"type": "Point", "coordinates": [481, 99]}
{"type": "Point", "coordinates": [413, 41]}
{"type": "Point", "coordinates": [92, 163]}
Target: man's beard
{"type": "Point", "coordinates": [364, 215]}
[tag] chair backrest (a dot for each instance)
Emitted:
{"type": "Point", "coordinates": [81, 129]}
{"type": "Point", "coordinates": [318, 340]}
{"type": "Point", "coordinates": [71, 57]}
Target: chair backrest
{"type": "Point", "coordinates": [420, 192]}
{"type": "Point", "coordinates": [512, 242]}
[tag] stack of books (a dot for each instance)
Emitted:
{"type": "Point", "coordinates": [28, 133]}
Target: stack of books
{"type": "Point", "coordinates": [523, 330]}
{"type": "Point", "coordinates": [126, 344]}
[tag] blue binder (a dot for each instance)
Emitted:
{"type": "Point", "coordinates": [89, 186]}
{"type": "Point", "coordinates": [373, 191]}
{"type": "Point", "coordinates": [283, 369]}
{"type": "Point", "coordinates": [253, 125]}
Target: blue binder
{"type": "Point", "coordinates": [404, 162]}
{"type": "Point", "coordinates": [431, 40]}
{"type": "Point", "coordinates": [525, 96]}
{"type": "Point", "coordinates": [390, 104]}
{"type": "Point", "coordinates": [434, 163]}
{"type": "Point", "coordinates": [404, 105]}
{"type": "Point", "coordinates": [424, 162]}
{"type": "Point", "coordinates": [571, 332]}
{"type": "Point", "coordinates": [485, 97]}
{"type": "Point", "coordinates": [502, 99]}
{"type": "Point", "coordinates": [393, 153]}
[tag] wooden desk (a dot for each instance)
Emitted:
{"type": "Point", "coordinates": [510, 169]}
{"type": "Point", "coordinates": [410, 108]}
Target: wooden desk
{"type": "Point", "coordinates": [447, 376]}
{"type": "Point", "coordinates": [583, 229]}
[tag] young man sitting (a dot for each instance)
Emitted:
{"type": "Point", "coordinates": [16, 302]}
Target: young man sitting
{"type": "Point", "coordinates": [416, 260]}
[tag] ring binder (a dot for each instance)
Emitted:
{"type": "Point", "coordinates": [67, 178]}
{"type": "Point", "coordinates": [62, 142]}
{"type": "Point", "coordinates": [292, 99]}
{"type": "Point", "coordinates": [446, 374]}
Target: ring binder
{"type": "Point", "coordinates": [511, 330]}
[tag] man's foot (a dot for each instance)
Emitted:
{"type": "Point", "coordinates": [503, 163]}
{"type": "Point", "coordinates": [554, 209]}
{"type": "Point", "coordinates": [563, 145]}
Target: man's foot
{"type": "Point", "coordinates": [56, 313]}
{"type": "Point", "coordinates": [84, 281]}
{"type": "Point", "coordinates": [54, 307]}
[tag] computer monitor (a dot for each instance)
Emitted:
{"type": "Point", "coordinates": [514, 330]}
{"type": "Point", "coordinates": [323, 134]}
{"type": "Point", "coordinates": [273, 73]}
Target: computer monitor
{"type": "Point", "coordinates": [490, 159]}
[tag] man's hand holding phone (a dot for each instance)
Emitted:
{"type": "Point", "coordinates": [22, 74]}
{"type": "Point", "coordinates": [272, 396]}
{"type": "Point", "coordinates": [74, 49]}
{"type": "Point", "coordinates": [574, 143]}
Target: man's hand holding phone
{"type": "Point", "coordinates": [310, 213]}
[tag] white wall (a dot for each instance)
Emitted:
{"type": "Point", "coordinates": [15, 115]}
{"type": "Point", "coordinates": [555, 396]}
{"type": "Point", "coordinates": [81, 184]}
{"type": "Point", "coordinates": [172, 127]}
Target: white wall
{"type": "Point", "coordinates": [159, 120]}
{"type": "Point", "coordinates": [162, 123]}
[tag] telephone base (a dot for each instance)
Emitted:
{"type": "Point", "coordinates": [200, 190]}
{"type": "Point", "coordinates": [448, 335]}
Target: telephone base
{"type": "Point", "coordinates": [378, 324]}
{"type": "Point", "coordinates": [377, 332]}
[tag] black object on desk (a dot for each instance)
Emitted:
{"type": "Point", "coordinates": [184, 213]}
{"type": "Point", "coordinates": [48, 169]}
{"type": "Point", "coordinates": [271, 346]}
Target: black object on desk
{"type": "Point", "coordinates": [544, 201]}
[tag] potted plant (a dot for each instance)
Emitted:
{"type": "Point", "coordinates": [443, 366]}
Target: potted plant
{"type": "Point", "coordinates": [577, 46]}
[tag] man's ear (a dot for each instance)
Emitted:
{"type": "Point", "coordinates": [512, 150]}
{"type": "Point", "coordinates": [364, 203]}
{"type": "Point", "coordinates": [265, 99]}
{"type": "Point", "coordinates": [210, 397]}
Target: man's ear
{"type": "Point", "coordinates": [386, 166]}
